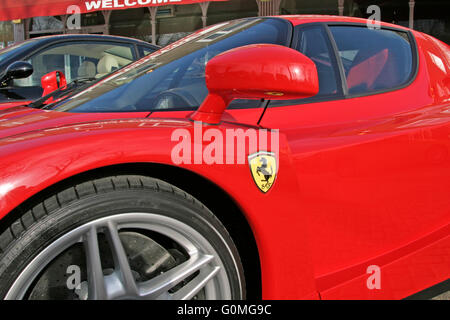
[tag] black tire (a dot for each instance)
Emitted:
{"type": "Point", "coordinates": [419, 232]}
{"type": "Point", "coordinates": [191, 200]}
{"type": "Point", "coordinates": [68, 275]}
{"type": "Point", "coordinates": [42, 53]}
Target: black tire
{"type": "Point", "coordinates": [73, 207]}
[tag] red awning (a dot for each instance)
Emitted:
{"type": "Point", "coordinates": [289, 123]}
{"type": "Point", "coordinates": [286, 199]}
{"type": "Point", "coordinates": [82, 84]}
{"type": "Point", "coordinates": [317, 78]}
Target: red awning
{"type": "Point", "coordinates": [21, 9]}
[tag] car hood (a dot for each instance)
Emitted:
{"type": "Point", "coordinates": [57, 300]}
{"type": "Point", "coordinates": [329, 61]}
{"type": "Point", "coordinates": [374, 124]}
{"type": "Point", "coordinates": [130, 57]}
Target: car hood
{"type": "Point", "coordinates": [19, 120]}
{"type": "Point", "coordinates": [7, 105]}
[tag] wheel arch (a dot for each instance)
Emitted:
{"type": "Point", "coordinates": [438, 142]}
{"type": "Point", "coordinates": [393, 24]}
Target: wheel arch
{"type": "Point", "coordinates": [211, 195]}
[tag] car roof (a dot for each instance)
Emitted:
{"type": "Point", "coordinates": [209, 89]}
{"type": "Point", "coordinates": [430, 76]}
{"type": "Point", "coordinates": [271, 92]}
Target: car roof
{"type": "Point", "coordinates": [303, 19]}
{"type": "Point", "coordinates": [99, 37]}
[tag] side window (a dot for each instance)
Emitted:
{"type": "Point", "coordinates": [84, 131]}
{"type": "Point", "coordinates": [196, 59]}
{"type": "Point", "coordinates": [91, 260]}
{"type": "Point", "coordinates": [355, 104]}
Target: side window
{"type": "Point", "coordinates": [373, 60]}
{"type": "Point", "coordinates": [144, 51]}
{"type": "Point", "coordinates": [85, 59]}
{"type": "Point", "coordinates": [313, 43]}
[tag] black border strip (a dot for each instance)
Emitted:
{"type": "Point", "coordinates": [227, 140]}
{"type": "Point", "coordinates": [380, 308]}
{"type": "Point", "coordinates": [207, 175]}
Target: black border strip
{"type": "Point", "coordinates": [431, 292]}
{"type": "Point", "coordinates": [337, 60]}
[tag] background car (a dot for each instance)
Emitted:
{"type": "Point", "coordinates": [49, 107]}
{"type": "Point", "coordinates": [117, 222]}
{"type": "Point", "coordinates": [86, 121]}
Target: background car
{"type": "Point", "coordinates": [76, 56]}
{"type": "Point", "coordinates": [354, 203]}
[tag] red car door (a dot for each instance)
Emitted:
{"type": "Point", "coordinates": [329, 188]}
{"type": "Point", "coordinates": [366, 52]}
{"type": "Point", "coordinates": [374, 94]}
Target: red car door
{"type": "Point", "coordinates": [372, 159]}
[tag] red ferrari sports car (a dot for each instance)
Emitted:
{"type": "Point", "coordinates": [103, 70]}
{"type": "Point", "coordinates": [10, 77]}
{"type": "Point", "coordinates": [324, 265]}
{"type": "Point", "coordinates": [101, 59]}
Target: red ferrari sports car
{"type": "Point", "coordinates": [292, 157]}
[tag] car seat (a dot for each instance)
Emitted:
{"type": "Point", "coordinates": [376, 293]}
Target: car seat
{"type": "Point", "coordinates": [87, 69]}
{"type": "Point", "coordinates": [365, 70]}
{"type": "Point", "coordinates": [380, 69]}
{"type": "Point", "coordinates": [106, 65]}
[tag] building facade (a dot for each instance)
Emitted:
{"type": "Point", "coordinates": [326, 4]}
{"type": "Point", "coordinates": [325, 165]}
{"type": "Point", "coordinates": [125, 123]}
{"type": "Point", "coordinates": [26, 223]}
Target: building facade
{"type": "Point", "coordinates": [162, 25]}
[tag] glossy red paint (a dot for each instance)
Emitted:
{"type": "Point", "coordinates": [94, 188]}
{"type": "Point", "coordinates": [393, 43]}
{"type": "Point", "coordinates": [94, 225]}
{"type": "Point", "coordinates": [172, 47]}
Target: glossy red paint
{"type": "Point", "coordinates": [8, 105]}
{"type": "Point", "coordinates": [375, 175]}
{"type": "Point", "coordinates": [242, 116]}
{"type": "Point", "coordinates": [361, 181]}
{"type": "Point", "coordinates": [35, 160]}
{"type": "Point", "coordinates": [18, 120]}
{"type": "Point", "coordinates": [260, 71]}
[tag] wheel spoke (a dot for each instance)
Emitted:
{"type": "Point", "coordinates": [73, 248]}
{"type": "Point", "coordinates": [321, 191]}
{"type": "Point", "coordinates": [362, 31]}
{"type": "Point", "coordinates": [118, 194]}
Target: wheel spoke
{"type": "Point", "coordinates": [121, 263]}
{"type": "Point", "coordinates": [111, 274]}
{"type": "Point", "coordinates": [161, 284]}
{"type": "Point", "coordinates": [96, 283]}
{"type": "Point", "coordinates": [188, 291]}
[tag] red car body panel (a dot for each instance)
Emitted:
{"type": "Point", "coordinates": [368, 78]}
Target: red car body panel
{"type": "Point", "coordinates": [8, 105]}
{"type": "Point", "coordinates": [344, 198]}
{"type": "Point", "coordinates": [37, 160]}
{"type": "Point", "coordinates": [244, 116]}
{"type": "Point", "coordinates": [357, 157]}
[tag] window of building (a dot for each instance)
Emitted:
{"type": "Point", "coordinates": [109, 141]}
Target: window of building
{"type": "Point", "coordinates": [432, 18]}
{"type": "Point", "coordinates": [6, 34]}
{"type": "Point", "coordinates": [309, 7]}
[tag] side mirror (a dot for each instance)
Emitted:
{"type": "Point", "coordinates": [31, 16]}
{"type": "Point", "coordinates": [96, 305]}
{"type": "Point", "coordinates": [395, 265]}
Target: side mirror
{"type": "Point", "coordinates": [260, 71]}
{"type": "Point", "coordinates": [53, 81]}
{"type": "Point", "coordinates": [16, 70]}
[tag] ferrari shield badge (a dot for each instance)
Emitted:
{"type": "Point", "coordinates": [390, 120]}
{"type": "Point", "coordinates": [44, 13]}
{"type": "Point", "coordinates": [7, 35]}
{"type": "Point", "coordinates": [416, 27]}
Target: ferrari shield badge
{"type": "Point", "coordinates": [263, 166]}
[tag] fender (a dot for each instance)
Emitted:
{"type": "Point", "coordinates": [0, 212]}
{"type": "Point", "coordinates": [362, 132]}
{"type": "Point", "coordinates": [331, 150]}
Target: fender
{"type": "Point", "coordinates": [36, 160]}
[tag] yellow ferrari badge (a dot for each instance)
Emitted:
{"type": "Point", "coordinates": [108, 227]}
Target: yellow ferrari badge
{"type": "Point", "coordinates": [263, 166]}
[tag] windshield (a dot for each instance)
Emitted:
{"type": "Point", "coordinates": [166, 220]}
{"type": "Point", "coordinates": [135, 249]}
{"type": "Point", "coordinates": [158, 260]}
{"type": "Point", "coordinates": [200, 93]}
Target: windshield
{"type": "Point", "coordinates": [173, 78]}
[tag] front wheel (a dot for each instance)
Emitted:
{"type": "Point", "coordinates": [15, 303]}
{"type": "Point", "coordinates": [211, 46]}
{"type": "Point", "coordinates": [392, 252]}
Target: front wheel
{"type": "Point", "coordinates": [123, 237]}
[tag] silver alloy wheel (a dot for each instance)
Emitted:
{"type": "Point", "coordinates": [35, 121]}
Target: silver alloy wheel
{"type": "Point", "coordinates": [203, 269]}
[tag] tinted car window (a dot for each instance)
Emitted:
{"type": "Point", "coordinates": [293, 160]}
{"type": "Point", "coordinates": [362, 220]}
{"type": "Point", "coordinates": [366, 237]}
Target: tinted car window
{"type": "Point", "coordinates": [144, 51]}
{"type": "Point", "coordinates": [313, 43]}
{"type": "Point", "coordinates": [85, 59]}
{"type": "Point", "coordinates": [373, 59]}
{"type": "Point", "coordinates": [174, 77]}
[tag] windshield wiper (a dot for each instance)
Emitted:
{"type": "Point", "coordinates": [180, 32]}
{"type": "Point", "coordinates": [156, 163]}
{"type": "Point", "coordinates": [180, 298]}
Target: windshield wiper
{"type": "Point", "coordinates": [66, 90]}
{"type": "Point", "coordinates": [83, 80]}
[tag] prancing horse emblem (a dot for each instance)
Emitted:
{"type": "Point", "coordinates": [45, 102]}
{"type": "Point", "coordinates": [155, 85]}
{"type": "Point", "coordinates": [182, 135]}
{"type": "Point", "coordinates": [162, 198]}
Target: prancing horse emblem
{"type": "Point", "coordinates": [263, 166]}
